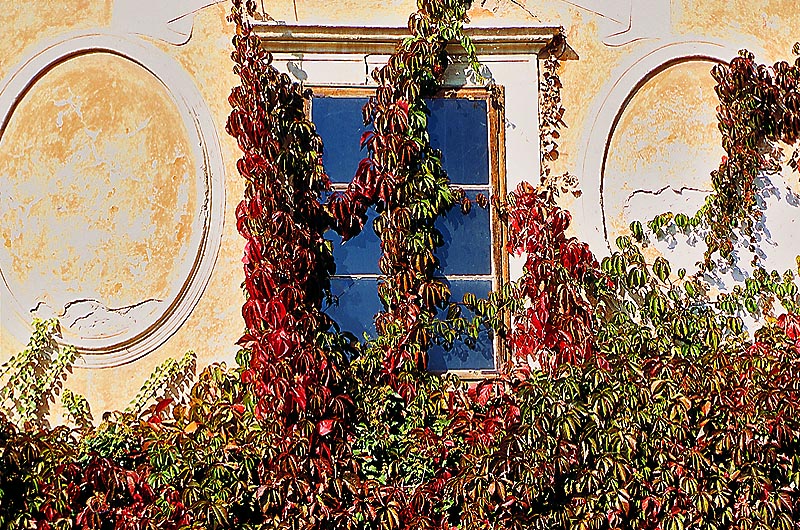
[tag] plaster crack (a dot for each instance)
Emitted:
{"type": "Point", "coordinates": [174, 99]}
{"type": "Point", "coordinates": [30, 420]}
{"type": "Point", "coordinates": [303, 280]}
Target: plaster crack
{"type": "Point", "coordinates": [659, 191]}
{"type": "Point", "coordinates": [38, 306]}
{"type": "Point", "coordinates": [642, 203]}
{"type": "Point", "coordinates": [517, 3]}
{"type": "Point", "coordinates": [124, 310]}
{"type": "Point", "coordinates": [72, 103]}
{"type": "Point", "coordinates": [596, 12]}
{"type": "Point", "coordinates": [84, 317]}
{"type": "Point", "coordinates": [79, 301]}
{"type": "Point", "coordinates": [94, 308]}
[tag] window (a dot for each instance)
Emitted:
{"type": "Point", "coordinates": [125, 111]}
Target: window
{"type": "Point", "coordinates": [465, 124]}
{"type": "Point", "coordinates": [336, 62]}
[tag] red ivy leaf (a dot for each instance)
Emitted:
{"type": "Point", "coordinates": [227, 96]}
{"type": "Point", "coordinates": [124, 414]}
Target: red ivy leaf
{"type": "Point", "coordinates": [162, 405]}
{"type": "Point", "coordinates": [325, 426]}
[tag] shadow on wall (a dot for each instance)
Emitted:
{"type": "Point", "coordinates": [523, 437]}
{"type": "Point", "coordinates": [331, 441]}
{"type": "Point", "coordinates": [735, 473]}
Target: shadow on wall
{"type": "Point", "coordinates": [776, 239]}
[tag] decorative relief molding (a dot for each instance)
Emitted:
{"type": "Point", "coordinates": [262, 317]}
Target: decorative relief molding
{"type": "Point", "coordinates": [169, 21]}
{"type": "Point", "coordinates": [624, 21]}
{"type": "Point", "coordinates": [606, 111]}
{"type": "Point", "coordinates": [129, 340]}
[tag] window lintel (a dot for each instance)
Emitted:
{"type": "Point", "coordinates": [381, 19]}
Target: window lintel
{"type": "Point", "coordinates": [512, 40]}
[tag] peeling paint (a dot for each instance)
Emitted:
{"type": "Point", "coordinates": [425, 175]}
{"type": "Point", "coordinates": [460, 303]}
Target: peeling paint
{"type": "Point", "coordinates": [102, 207]}
{"type": "Point", "coordinates": [88, 316]}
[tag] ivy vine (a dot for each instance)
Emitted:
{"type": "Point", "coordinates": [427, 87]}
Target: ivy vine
{"type": "Point", "coordinates": [759, 109]}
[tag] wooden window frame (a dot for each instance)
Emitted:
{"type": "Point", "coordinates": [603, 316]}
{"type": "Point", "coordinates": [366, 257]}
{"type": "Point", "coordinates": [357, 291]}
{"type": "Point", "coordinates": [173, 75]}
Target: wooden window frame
{"type": "Point", "coordinates": [496, 145]}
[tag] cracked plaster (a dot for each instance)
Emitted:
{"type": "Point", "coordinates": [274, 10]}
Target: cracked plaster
{"type": "Point", "coordinates": [99, 199]}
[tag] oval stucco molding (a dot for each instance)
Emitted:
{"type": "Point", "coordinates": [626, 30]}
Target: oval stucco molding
{"type": "Point", "coordinates": [606, 111]}
{"type": "Point", "coordinates": [100, 351]}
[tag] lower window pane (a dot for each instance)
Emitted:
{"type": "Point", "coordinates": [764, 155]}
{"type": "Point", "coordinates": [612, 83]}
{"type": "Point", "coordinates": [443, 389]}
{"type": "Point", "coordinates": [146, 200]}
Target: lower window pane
{"type": "Point", "coordinates": [461, 356]}
{"type": "Point", "coordinates": [467, 240]}
{"type": "Point", "coordinates": [358, 305]}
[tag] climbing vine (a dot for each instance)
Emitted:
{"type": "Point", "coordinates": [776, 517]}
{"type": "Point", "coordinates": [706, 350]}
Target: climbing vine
{"type": "Point", "coordinates": [759, 109]}
{"type": "Point", "coordinates": [31, 380]}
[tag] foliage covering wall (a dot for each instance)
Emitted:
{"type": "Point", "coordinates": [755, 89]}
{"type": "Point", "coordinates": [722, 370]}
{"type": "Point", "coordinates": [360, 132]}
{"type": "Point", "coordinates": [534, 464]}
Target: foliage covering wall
{"type": "Point", "coordinates": [634, 397]}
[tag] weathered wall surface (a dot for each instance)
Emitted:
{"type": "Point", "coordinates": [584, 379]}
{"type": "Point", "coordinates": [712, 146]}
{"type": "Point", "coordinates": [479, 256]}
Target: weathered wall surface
{"type": "Point", "coordinates": [101, 196]}
{"type": "Point", "coordinates": [110, 219]}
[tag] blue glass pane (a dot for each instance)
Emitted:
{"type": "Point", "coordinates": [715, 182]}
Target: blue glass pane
{"type": "Point", "coordinates": [358, 305]}
{"type": "Point", "coordinates": [459, 128]}
{"type": "Point", "coordinates": [461, 356]}
{"type": "Point", "coordinates": [467, 245]}
{"type": "Point", "coordinates": [360, 254]}
{"type": "Point", "coordinates": [467, 240]}
{"type": "Point", "coordinates": [339, 123]}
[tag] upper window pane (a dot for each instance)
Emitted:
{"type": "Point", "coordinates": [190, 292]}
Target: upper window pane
{"type": "Point", "coordinates": [360, 254]}
{"type": "Point", "coordinates": [339, 123]}
{"type": "Point", "coordinates": [459, 128]}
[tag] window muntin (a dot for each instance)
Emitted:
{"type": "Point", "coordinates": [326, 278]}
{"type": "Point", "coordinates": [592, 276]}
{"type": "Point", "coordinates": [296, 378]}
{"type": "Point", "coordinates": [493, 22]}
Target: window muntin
{"type": "Point", "coordinates": [466, 125]}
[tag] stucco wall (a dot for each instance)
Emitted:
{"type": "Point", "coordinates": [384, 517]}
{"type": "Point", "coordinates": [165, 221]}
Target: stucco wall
{"type": "Point", "coordinates": [107, 207]}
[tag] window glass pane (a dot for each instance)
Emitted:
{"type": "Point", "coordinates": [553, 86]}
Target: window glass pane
{"type": "Point", "coordinates": [339, 123]}
{"type": "Point", "coordinates": [467, 240]}
{"type": "Point", "coordinates": [358, 305]}
{"type": "Point", "coordinates": [459, 128]}
{"type": "Point", "coordinates": [461, 356]}
{"type": "Point", "coordinates": [360, 254]}
{"type": "Point", "coordinates": [466, 250]}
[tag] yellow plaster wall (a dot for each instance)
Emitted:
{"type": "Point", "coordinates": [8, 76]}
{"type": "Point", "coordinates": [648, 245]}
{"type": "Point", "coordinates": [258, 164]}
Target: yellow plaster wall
{"type": "Point", "coordinates": [40, 164]}
{"type": "Point", "coordinates": [98, 165]}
